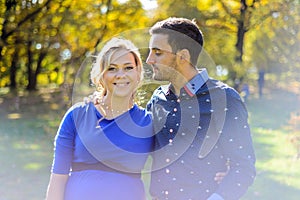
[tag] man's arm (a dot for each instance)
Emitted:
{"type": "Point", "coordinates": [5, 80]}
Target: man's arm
{"type": "Point", "coordinates": [236, 143]}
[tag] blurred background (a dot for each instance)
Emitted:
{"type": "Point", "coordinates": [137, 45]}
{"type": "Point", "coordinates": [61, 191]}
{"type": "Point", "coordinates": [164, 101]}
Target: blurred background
{"type": "Point", "coordinates": [45, 46]}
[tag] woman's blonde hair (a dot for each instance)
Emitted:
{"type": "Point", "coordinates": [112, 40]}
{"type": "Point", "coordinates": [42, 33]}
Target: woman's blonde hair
{"type": "Point", "coordinates": [104, 57]}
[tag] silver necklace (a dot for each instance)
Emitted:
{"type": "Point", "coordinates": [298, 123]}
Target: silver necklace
{"type": "Point", "coordinates": [104, 109]}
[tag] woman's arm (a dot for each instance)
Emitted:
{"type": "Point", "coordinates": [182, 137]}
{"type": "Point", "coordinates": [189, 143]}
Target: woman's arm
{"type": "Point", "coordinates": [56, 186]}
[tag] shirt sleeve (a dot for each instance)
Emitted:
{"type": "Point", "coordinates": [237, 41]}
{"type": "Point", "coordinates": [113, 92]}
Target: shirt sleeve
{"type": "Point", "coordinates": [64, 145]}
{"type": "Point", "coordinates": [236, 143]}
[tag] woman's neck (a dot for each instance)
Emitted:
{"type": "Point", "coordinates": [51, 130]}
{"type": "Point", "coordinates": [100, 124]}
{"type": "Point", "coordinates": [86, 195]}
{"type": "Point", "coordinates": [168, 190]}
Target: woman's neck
{"type": "Point", "coordinates": [111, 107]}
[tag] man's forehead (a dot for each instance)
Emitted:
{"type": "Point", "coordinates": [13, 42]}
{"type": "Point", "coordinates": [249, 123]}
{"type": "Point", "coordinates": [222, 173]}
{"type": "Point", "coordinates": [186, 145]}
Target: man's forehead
{"type": "Point", "coordinates": [159, 41]}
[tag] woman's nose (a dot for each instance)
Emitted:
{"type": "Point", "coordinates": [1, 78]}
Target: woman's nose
{"type": "Point", "coordinates": [120, 73]}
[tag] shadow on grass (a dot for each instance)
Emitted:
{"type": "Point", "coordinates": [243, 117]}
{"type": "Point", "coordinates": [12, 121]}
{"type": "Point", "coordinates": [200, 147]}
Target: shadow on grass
{"type": "Point", "coordinates": [266, 188]}
{"type": "Point", "coordinates": [273, 110]}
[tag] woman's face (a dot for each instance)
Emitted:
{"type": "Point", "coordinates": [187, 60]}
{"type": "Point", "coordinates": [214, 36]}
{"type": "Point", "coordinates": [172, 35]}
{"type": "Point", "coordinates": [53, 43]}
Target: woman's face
{"type": "Point", "coordinates": [121, 77]}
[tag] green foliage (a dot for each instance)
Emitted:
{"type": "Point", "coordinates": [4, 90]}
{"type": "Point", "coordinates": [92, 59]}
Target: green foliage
{"type": "Point", "coordinates": [275, 42]}
{"type": "Point", "coordinates": [144, 93]}
{"type": "Point", "coordinates": [44, 40]}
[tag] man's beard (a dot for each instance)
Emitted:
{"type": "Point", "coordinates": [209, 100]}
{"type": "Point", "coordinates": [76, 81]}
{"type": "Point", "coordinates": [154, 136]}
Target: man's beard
{"type": "Point", "coordinates": [165, 73]}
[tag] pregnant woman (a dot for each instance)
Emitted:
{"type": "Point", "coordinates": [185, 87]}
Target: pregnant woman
{"type": "Point", "coordinates": [100, 149]}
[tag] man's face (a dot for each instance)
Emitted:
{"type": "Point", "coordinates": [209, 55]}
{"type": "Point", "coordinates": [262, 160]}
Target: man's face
{"type": "Point", "coordinates": [161, 58]}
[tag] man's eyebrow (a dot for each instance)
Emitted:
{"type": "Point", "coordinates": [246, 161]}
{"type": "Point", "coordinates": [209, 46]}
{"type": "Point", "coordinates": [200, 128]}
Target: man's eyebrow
{"type": "Point", "coordinates": [160, 50]}
{"type": "Point", "coordinates": [155, 48]}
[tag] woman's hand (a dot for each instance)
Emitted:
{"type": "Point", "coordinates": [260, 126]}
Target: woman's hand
{"type": "Point", "coordinates": [95, 98]}
{"type": "Point", "coordinates": [219, 177]}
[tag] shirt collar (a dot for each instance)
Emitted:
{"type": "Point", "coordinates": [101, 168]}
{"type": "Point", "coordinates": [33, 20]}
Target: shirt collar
{"type": "Point", "coordinates": [196, 82]}
{"type": "Point", "coordinates": [193, 85]}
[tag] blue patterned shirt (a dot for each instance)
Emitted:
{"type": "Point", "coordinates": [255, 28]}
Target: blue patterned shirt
{"type": "Point", "coordinates": [202, 131]}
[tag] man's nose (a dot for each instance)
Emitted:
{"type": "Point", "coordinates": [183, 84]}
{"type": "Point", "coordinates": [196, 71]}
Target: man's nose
{"type": "Point", "coordinates": [150, 59]}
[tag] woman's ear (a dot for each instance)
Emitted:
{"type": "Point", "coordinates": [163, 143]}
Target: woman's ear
{"type": "Point", "coordinates": [100, 85]}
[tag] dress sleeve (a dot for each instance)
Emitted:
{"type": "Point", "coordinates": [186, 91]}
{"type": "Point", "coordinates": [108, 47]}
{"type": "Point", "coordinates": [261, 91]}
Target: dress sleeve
{"type": "Point", "coordinates": [64, 145]}
{"type": "Point", "coordinates": [236, 143]}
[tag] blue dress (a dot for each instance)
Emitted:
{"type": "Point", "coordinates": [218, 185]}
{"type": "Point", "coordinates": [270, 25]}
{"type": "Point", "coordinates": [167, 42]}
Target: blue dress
{"type": "Point", "coordinates": [119, 146]}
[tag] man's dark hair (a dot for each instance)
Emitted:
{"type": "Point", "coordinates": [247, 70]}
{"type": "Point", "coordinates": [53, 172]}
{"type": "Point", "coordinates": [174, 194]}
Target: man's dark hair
{"type": "Point", "coordinates": [182, 34]}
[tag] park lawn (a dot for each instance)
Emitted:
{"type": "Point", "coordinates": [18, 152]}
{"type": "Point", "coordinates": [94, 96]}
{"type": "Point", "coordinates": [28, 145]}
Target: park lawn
{"type": "Point", "coordinates": [26, 146]}
{"type": "Point", "coordinates": [278, 174]}
{"type": "Point", "coordinates": [26, 143]}
{"type": "Point", "coordinates": [25, 160]}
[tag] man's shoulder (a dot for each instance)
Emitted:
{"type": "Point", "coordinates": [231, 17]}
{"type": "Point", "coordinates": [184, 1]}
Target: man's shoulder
{"type": "Point", "coordinates": [219, 87]}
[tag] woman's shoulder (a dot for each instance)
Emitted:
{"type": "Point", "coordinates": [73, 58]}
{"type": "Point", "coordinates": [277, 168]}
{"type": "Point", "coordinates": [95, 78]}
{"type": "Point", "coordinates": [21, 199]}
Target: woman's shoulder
{"type": "Point", "coordinates": [80, 108]}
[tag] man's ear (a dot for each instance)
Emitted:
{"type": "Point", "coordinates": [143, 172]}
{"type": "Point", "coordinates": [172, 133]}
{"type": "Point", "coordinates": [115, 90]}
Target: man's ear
{"type": "Point", "coordinates": [184, 56]}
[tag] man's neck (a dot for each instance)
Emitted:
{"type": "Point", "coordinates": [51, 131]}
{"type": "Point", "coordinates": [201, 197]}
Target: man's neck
{"type": "Point", "coordinates": [182, 79]}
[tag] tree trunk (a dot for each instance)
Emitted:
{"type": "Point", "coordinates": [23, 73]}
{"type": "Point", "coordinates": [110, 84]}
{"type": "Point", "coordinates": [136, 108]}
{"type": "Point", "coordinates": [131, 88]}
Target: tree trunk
{"type": "Point", "coordinates": [30, 75]}
{"type": "Point", "coordinates": [13, 71]}
{"type": "Point", "coordinates": [241, 32]}
{"type": "Point", "coordinates": [242, 29]}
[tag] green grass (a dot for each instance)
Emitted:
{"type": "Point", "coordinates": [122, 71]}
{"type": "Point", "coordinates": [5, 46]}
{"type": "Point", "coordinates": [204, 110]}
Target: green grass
{"type": "Point", "coordinates": [278, 174]}
{"type": "Point", "coordinates": [27, 131]}
{"type": "Point", "coordinates": [24, 162]}
{"type": "Point", "coordinates": [26, 146]}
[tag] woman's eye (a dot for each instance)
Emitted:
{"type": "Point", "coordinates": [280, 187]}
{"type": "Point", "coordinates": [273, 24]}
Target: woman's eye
{"type": "Point", "coordinates": [128, 68]}
{"type": "Point", "coordinates": [111, 69]}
